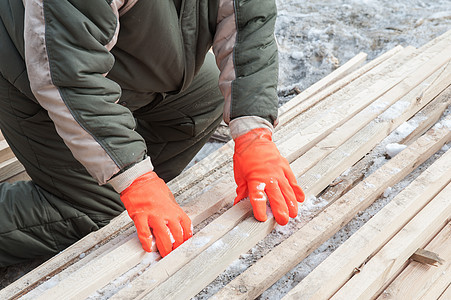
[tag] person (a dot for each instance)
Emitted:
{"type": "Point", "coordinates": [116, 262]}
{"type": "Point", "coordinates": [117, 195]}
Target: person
{"type": "Point", "coordinates": [104, 101]}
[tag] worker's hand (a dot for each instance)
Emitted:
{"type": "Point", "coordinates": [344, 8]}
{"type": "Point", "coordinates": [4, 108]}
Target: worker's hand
{"type": "Point", "coordinates": [153, 209]}
{"type": "Point", "coordinates": [261, 174]}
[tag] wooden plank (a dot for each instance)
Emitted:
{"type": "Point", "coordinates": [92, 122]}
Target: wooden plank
{"type": "Point", "coordinates": [65, 258]}
{"type": "Point", "coordinates": [310, 108]}
{"type": "Point", "coordinates": [99, 272]}
{"type": "Point", "coordinates": [440, 285]}
{"type": "Point", "coordinates": [22, 176]}
{"type": "Point", "coordinates": [422, 120]}
{"type": "Point", "coordinates": [222, 186]}
{"type": "Point", "coordinates": [70, 255]}
{"type": "Point", "coordinates": [298, 246]}
{"type": "Point", "coordinates": [417, 278]}
{"type": "Point", "coordinates": [211, 167]}
{"type": "Point", "coordinates": [173, 262]}
{"type": "Point", "coordinates": [223, 155]}
{"type": "Point", "coordinates": [427, 257]}
{"type": "Point", "coordinates": [427, 48]}
{"type": "Point", "coordinates": [339, 266]}
{"type": "Point", "coordinates": [224, 194]}
{"type": "Point", "coordinates": [289, 148]}
{"type": "Point", "coordinates": [427, 97]}
{"type": "Point", "coordinates": [417, 71]}
{"type": "Point", "coordinates": [85, 258]}
{"type": "Point", "coordinates": [289, 110]}
{"type": "Point", "coordinates": [344, 132]}
{"type": "Point", "coordinates": [431, 114]}
{"type": "Point", "coordinates": [393, 255]}
{"type": "Point", "coordinates": [446, 295]}
{"type": "Point", "coordinates": [193, 277]}
{"type": "Point", "coordinates": [10, 168]}
{"type": "Point", "coordinates": [5, 151]}
{"type": "Point", "coordinates": [371, 136]}
{"type": "Point", "coordinates": [79, 285]}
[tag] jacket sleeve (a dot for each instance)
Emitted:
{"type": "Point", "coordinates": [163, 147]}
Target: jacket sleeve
{"type": "Point", "coordinates": [246, 54]}
{"type": "Point", "coordinates": [67, 56]}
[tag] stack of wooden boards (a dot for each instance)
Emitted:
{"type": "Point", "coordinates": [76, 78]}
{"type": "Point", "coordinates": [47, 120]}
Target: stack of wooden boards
{"type": "Point", "coordinates": [324, 131]}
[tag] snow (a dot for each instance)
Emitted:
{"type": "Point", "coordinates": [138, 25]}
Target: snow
{"type": "Point", "coordinates": [394, 148]}
{"type": "Point", "coordinates": [200, 241]}
{"type": "Point", "coordinates": [405, 129]}
{"type": "Point", "coordinates": [394, 111]}
{"type": "Point", "coordinates": [125, 279]}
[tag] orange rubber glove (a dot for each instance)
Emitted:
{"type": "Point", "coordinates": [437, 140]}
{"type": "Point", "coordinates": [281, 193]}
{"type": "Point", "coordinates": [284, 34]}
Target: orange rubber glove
{"type": "Point", "coordinates": [261, 174]}
{"type": "Point", "coordinates": [153, 209]}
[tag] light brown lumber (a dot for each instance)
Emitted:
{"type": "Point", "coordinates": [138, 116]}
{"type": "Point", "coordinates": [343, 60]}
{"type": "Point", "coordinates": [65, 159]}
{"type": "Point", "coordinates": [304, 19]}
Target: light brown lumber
{"type": "Point", "coordinates": [399, 82]}
{"type": "Point", "coordinates": [339, 266]}
{"type": "Point", "coordinates": [446, 295]}
{"type": "Point", "coordinates": [344, 132]}
{"type": "Point", "coordinates": [290, 110]}
{"type": "Point", "coordinates": [383, 133]}
{"type": "Point", "coordinates": [426, 257]}
{"type": "Point", "coordinates": [440, 84]}
{"type": "Point", "coordinates": [98, 273]}
{"type": "Point", "coordinates": [346, 181]}
{"type": "Point", "coordinates": [370, 79]}
{"type": "Point", "coordinates": [216, 168]}
{"type": "Point", "coordinates": [79, 284]}
{"type": "Point", "coordinates": [393, 255]}
{"type": "Point", "coordinates": [223, 185]}
{"type": "Point", "coordinates": [375, 133]}
{"type": "Point", "coordinates": [130, 261]}
{"type": "Point", "coordinates": [437, 43]}
{"type": "Point", "coordinates": [223, 155]}
{"type": "Point", "coordinates": [432, 111]}
{"type": "Point", "coordinates": [371, 134]}
{"type": "Point", "coordinates": [201, 169]}
{"type": "Point", "coordinates": [310, 108]}
{"type": "Point", "coordinates": [65, 258]}
{"type": "Point", "coordinates": [22, 176]}
{"type": "Point", "coordinates": [171, 263]}
{"type": "Point", "coordinates": [293, 250]}
{"type": "Point", "coordinates": [10, 168]}
{"type": "Point", "coordinates": [84, 259]}
{"type": "Point", "coordinates": [417, 278]}
{"type": "Point", "coordinates": [431, 114]}
{"type": "Point", "coordinates": [438, 288]}
{"type": "Point", "coordinates": [193, 277]}
{"type": "Point", "coordinates": [294, 147]}
{"type": "Point", "coordinates": [5, 151]}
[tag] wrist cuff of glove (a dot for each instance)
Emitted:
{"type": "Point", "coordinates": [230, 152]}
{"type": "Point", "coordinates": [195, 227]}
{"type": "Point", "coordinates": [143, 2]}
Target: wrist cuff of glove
{"type": "Point", "coordinates": [243, 125]}
{"type": "Point", "coordinates": [125, 179]}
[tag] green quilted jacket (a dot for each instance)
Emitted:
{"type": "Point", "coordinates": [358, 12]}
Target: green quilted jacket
{"type": "Point", "coordinates": [80, 59]}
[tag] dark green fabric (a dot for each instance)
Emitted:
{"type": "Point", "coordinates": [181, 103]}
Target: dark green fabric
{"type": "Point", "coordinates": [76, 34]}
{"type": "Point", "coordinates": [160, 48]}
{"type": "Point", "coordinates": [254, 91]}
{"type": "Point", "coordinates": [63, 202]}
